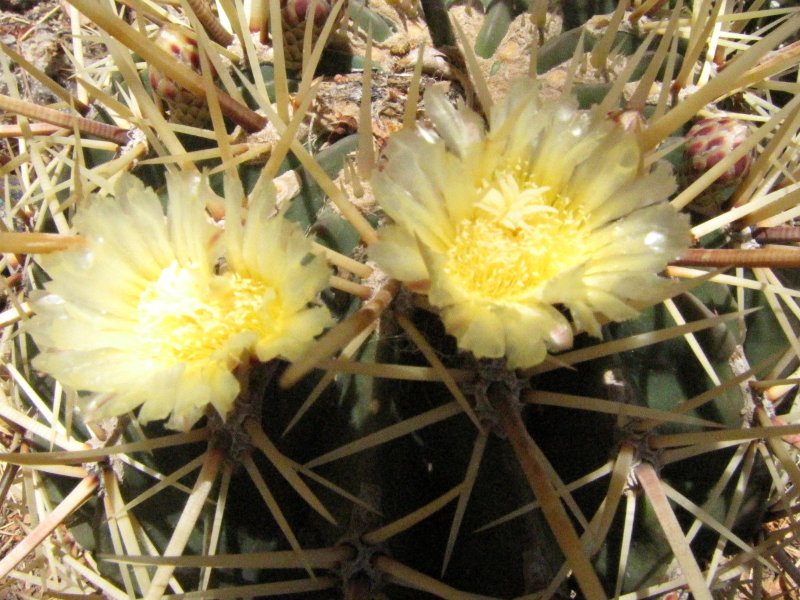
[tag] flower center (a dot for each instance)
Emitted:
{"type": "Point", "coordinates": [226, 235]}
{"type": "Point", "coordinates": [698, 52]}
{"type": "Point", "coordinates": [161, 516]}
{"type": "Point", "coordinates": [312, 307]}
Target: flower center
{"type": "Point", "coordinates": [519, 235]}
{"type": "Point", "coordinates": [185, 317]}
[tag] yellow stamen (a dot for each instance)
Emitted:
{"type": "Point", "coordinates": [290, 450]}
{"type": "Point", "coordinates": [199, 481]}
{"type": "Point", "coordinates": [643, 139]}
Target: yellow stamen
{"type": "Point", "coordinates": [185, 317]}
{"type": "Point", "coordinates": [521, 235]}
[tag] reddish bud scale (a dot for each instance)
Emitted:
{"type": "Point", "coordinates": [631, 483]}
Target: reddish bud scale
{"type": "Point", "coordinates": [632, 121]}
{"type": "Point", "coordinates": [295, 12]}
{"type": "Point", "coordinates": [711, 140]}
{"type": "Point", "coordinates": [184, 106]}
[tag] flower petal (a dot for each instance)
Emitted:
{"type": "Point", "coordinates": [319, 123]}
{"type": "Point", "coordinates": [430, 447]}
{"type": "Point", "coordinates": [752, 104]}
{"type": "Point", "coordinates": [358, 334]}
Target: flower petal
{"type": "Point", "coordinates": [398, 254]}
{"type": "Point", "coordinates": [476, 328]}
{"type": "Point", "coordinates": [550, 209]}
{"type": "Point", "coordinates": [160, 323]}
{"type": "Point", "coordinates": [459, 128]}
{"type": "Point", "coordinates": [190, 230]}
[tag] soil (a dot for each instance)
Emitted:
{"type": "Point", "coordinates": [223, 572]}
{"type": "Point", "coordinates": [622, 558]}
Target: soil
{"type": "Point", "coordinates": [37, 31]}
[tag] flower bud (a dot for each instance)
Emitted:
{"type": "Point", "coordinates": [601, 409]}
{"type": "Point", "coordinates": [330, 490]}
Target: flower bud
{"type": "Point", "coordinates": [184, 107]}
{"type": "Point", "coordinates": [294, 15]}
{"type": "Point", "coordinates": [712, 139]}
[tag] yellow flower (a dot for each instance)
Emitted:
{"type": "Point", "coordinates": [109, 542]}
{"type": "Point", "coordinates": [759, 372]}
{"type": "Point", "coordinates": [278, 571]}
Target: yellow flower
{"type": "Point", "coordinates": [158, 311]}
{"type": "Point", "coordinates": [550, 209]}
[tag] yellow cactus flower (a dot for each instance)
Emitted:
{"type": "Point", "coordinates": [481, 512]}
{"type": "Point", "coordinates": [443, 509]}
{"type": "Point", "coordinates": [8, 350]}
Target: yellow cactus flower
{"type": "Point", "coordinates": [503, 229]}
{"type": "Point", "coordinates": [159, 310]}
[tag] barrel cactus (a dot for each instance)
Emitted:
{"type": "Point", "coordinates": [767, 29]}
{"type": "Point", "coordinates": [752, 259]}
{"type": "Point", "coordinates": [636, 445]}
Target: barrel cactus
{"type": "Point", "coordinates": [430, 301]}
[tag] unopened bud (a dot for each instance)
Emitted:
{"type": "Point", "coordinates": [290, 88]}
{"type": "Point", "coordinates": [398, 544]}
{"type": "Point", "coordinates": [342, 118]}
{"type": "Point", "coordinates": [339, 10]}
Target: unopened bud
{"type": "Point", "coordinates": [185, 107]}
{"type": "Point", "coordinates": [711, 140]}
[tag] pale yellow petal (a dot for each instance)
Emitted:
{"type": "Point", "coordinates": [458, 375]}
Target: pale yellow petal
{"type": "Point", "coordinates": [651, 188]}
{"type": "Point", "coordinates": [163, 323]}
{"type": "Point", "coordinates": [533, 330]}
{"type": "Point", "coordinates": [412, 188]}
{"type": "Point", "coordinates": [617, 159]}
{"type": "Point", "coordinates": [459, 128]}
{"type": "Point", "coordinates": [298, 331]}
{"type": "Point", "coordinates": [547, 210]}
{"type": "Point", "coordinates": [476, 328]}
{"type": "Point", "coordinates": [110, 404]}
{"type": "Point", "coordinates": [190, 231]}
{"type": "Point", "coordinates": [99, 370]}
{"type": "Point", "coordinates": [398, 254]}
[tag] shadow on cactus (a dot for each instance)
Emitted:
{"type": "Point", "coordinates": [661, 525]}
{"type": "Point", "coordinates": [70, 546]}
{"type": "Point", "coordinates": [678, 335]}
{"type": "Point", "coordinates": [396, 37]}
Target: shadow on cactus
{"type": "Point", "coordinates": [504, 356]}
